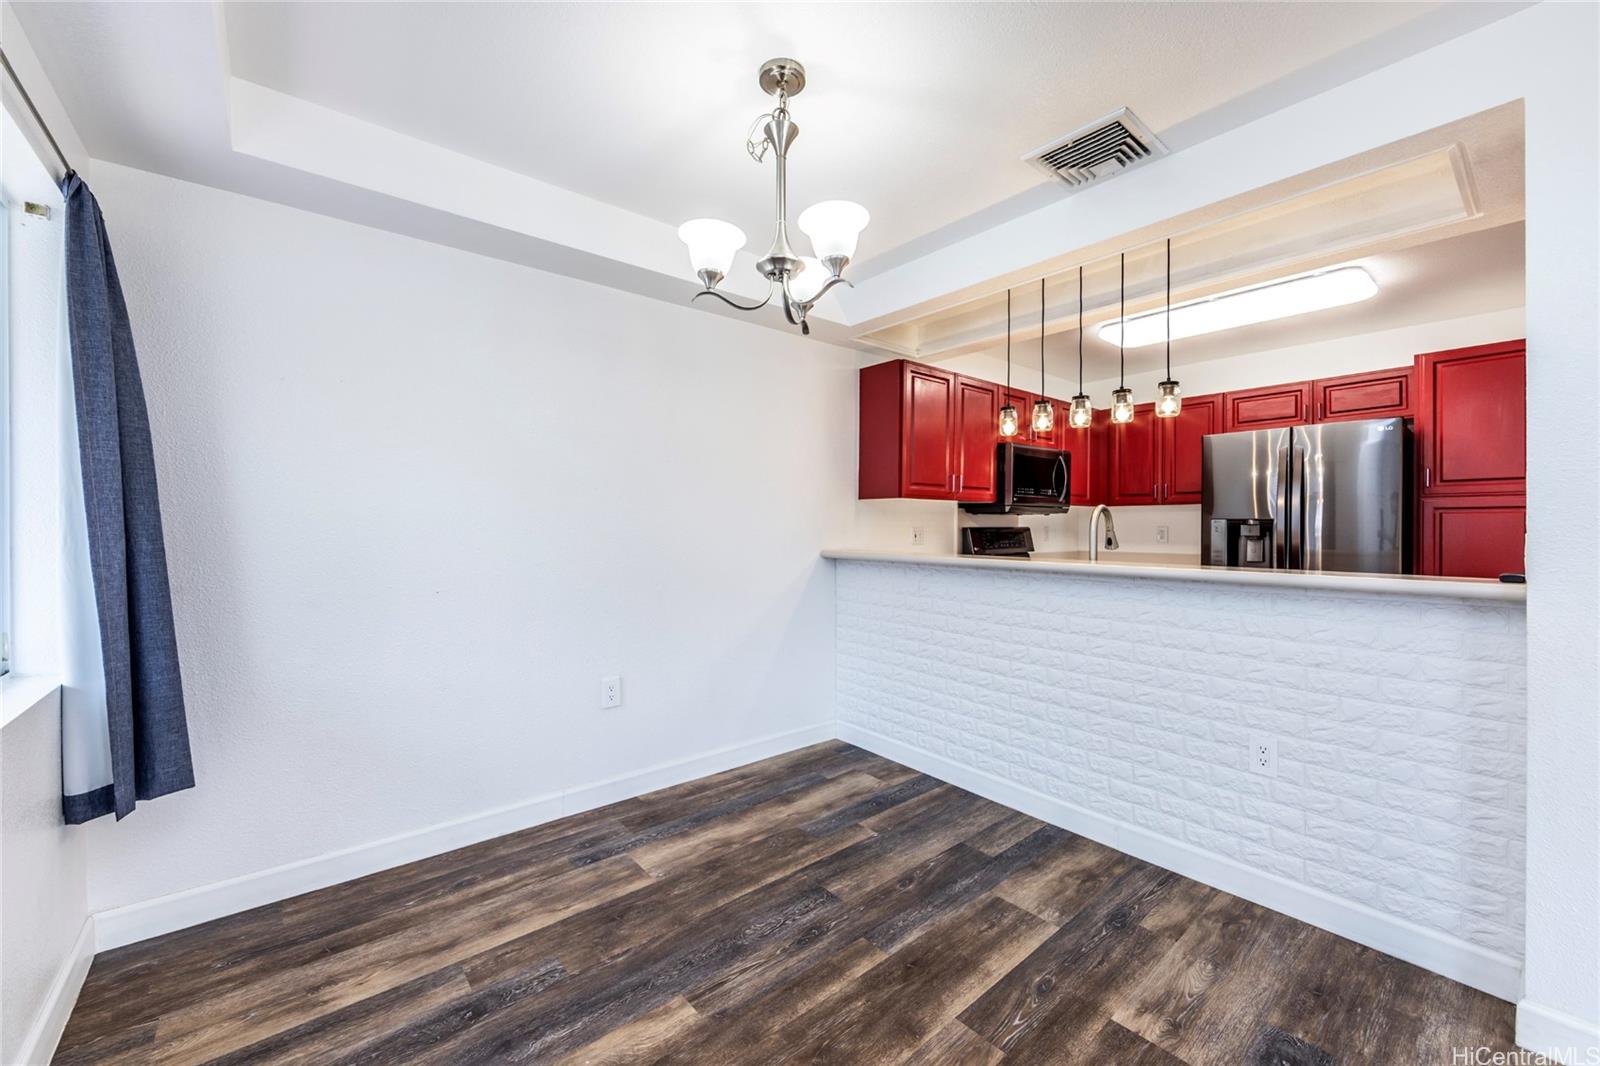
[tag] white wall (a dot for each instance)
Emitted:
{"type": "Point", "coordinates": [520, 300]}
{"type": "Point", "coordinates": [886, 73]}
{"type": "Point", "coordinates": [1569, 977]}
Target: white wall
{"type": "Point", "coordinates": [44, 902]}
{"type": "Point", "coordinates": [418, 502]}
{"type": "Point", "coordinates": [1395, 817]}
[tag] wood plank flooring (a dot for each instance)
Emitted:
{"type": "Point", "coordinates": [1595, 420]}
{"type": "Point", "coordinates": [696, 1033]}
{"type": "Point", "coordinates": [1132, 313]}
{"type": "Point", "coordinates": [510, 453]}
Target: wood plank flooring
{"type": "Point", "coordinates": [825, 906]}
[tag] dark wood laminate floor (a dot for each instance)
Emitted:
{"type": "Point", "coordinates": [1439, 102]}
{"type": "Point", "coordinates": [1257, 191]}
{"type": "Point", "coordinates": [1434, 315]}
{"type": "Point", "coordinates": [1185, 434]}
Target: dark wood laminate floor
{"type": "Point", "coordinates": [826, 906]}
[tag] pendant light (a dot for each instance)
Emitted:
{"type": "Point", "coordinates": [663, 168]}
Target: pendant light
{"type": "Point", "coordinates": [1008, 414]}
{"type": "Point", "coordinates": [1044, 412]}
{"type": "Point", "coordinates": [1081, 413]}
{"type": "Point", "coordinates": [1122, 396]}
{"type": "Point", "coordinates": [1169, 398]}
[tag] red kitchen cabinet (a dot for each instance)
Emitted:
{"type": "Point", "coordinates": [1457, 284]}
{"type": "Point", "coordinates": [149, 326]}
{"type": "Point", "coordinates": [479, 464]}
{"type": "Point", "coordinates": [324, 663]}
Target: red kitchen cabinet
{"type": "Point", "coordinates": [907, 432]}
{"type": "Point", "coordinates": [1135, 460]}
{"type": "Point", "coordinates": [1181, 451]}
{"type": "Point", "coordinates": [1159, 460]}
{"type": "Point", "coordinates": [1087, 447]}
{"type": "Point", "coordinates": [926, 433]}
{"type": "Point", "coordinates": [1268, 408]}
{"type": "Point", "coordinates": [977, 431]}
{"type": "Point", "coordinates": [1471, 420]}
{"type": "Point", "coordinates": [1480, 536]}
{"type": "Point", "coordinates": [1374, 394]}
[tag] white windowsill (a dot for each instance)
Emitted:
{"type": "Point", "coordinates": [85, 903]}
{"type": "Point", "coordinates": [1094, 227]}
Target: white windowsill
{"type": "Point", "coordinates": [21, 693]}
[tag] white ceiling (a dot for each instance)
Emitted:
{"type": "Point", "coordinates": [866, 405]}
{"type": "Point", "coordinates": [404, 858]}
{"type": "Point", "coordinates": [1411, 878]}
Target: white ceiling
{"type": "Point", "coordinates": [919, 111]}
{"type": "Point", "coordinates": [574, 137]}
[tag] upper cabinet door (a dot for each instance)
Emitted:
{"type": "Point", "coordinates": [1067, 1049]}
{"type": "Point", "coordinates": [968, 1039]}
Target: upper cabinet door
{"type": "Point", "coordinates": [1268, 408]}
{"type": "Point", "coordinates": [1471, 423]}
{"type": "Point", "coordinates": [1135, 459]}
{"type": "Point", "coordinates": [977, 432]}
{"type": "Point", "coordinates": [1181, 449]}
{"type": "Point", "coordinates": [930, 433]}
{"type": "Point", "coordinates": [1087, 448]}
{"type": "Point", "coordinates": [1373, 394]}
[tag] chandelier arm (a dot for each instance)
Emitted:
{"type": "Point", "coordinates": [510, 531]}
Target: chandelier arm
{"type": "Point", "coordinates": [734, 303]}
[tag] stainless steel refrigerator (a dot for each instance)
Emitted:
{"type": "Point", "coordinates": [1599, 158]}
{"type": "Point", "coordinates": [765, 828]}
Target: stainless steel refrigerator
{"type": "Point", "coordinates": [1326, 497]}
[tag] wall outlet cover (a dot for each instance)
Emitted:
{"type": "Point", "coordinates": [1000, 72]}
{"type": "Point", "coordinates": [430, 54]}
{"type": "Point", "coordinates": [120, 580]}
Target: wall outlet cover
{"type": "Point", "coordinates": [610, 691]}
{"type": "Point", "coordinates": [919, 536]}
{"type": "Point", "coordinates": [1263, 756]}
{"type": "Point", "coordinates": [1163, 534]}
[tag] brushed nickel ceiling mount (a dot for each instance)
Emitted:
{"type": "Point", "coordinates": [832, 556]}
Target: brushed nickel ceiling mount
{"type": "Point", "coordinates": [833, 225]}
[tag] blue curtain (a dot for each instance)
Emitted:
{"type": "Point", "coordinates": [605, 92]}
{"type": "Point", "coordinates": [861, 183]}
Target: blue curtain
{"type": "Point", "coordinates": [135, 744]}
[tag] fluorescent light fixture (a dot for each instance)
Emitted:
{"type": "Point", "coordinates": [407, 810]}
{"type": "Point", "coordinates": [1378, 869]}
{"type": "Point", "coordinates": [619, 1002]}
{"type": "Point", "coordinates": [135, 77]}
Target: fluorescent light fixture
{"type": "Point", "coordinates": [1244, 307]}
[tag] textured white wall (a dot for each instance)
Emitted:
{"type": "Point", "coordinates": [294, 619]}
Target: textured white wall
{"type": "Point", "coordinates": [418, 502]}
{"type": "Point", "coordinates": [43, 872]}
{"type": "Point", "coordinates": [1400, 722]}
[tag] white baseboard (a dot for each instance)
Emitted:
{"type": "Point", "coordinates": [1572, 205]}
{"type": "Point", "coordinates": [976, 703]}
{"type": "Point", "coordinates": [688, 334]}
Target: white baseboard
{"type": "Point", "coordinates": [139, 921]}
{"type": "Point", "coordinates": [1557, 1036]}
{"type": "Point", "coordinates": [1489, 971]}
{"type": "Point", "coordinates": [39, 1045]}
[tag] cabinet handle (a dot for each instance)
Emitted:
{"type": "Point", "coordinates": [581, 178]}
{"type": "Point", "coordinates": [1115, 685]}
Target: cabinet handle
{"type": "Point", "coordinates": [1319, 410]}
{"type": "Point", "coordinates": [1427, 477]}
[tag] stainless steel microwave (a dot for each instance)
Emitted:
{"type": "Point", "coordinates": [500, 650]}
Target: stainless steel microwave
{"type": "Point", "coordinates": [1028, 480]}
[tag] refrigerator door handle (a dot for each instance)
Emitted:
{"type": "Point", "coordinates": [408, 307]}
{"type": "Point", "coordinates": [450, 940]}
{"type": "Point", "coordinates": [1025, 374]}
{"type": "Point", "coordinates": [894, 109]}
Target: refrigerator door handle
{"type": "Point", "coordinates": [1280, 524]}
{"type": "Point", "coordinates": [1297, 508]}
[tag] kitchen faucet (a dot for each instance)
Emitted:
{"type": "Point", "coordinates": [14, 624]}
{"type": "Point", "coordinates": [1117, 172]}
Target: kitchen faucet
{"type": "Point", "coordinates": [1095, 535]}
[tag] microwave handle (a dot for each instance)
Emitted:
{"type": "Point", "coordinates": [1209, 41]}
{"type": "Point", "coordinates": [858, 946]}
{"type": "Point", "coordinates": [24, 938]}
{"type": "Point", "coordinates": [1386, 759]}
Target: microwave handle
{"type": "Point", "coordinates": [1066, 481]}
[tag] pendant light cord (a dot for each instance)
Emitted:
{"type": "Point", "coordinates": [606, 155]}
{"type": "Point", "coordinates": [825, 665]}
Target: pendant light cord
{"type": "Point", "coordinates": [1122, 327]}
{"type": "Point", "coordinates": [1167, 318]}
{"type": "Point", "coordinates": [1080, 331]}
{"type": "Point", "coordinates": [1008, 343]}
{"type": "Point", "coordinates": [1041, 338]}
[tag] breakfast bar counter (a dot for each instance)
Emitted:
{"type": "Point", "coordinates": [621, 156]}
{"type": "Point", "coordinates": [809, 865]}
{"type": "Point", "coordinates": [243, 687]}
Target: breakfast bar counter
{"type": "Point", "coordinates": [1175, 567]}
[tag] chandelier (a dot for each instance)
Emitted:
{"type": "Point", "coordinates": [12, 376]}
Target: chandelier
{"type": "Point", "coordinates": [833, 225]}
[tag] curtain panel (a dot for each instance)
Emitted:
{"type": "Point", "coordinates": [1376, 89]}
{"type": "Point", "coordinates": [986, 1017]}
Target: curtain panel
{"type": "Point", "coordinates": [124, 732]}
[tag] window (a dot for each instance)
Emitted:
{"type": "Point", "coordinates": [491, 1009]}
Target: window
{"type": "Point", "coordinates": [5, 437]}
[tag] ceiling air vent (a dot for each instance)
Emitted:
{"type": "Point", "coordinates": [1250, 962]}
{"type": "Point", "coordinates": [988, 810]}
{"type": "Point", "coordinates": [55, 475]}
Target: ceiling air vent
{"type": "Point", "coordinates": [1100, 149]}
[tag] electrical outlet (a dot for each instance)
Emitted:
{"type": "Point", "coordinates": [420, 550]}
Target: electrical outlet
{"type": "Point", "coordinates": [611, 691]}
{"type": "Point", "coordinates": [919, 536]}
{"type": "Point", "coordinates": [1163, 534]}
{"type": "Point", "coordinates": [1263, 756]}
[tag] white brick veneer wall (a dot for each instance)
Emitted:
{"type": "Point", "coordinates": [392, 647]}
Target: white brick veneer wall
{"type": "Point", "coordinates": [1400, 723]}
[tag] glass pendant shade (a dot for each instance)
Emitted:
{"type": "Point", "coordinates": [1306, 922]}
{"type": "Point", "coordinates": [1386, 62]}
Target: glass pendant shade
{"type": "Point", "coordinates": [1169, 399]}
{"type": "Point", "coordinates": [1044, 416]}
{"type": "Point", "coordinates": [1008, 421]}
{"type": "Point", "coordinates": [813, 275]}
{"type": "Point", "coordinates": [1080, 414]}
{"type": "Point", "coordinates": [712, 243]}
{"type": "Point", "coordinates": [1122, 406]}
{"type": "Point", "coordinates": [834, 226]}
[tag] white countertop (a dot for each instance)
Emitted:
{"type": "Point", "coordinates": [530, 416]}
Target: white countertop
{"type": "Point", "coordinates": [1187, 568]}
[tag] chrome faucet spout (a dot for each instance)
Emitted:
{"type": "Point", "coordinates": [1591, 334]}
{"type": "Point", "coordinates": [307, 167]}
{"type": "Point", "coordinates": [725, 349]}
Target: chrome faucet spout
{"type": "Point", "coordinates": [1098, 539]}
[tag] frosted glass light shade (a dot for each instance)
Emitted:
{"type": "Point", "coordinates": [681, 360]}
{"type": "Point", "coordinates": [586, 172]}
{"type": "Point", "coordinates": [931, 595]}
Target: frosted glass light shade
{"type": "Point", "coordinates": [834, 226]}
{"type": "Point", "coordinates": [1122, 406]}
{"type": "Point", "coordinates": [1044, 416]}
{"type": "Point", "coordinates": [809, 280]}
{"type": "Point", "coordinates": [712, 243]}
{"type": "Point", "coordinates": [1008, 421]}
{"type": "Point", "coordinates": [1080, 414]}
{"type": "Point", "coordinates": [1169, 399]}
